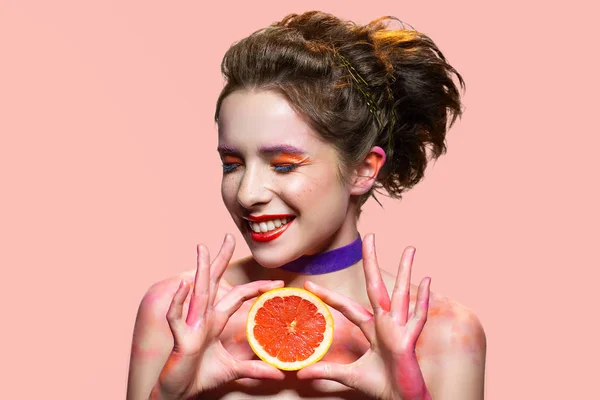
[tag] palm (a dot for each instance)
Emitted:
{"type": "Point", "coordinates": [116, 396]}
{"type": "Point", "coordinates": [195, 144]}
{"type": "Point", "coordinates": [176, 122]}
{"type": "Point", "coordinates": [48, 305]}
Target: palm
{"type": "Point", "coordinates": [389, 369]}
{"type": "Point", "coordinates": [216, 368]}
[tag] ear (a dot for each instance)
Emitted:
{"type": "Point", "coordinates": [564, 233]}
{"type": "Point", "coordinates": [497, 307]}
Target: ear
{"type": "Point", "coordinates": [366, 172]}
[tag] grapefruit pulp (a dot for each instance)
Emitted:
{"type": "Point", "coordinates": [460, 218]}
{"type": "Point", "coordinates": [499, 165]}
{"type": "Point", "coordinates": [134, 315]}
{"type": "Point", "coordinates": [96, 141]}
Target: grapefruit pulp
{"type": "Point", "coordinates": [289, 328]}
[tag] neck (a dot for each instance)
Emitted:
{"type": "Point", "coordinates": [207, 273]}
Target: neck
{"type": "Point", "coordinates": [343, 281]}
{"type": "Point", "coordinates": [327, 262]}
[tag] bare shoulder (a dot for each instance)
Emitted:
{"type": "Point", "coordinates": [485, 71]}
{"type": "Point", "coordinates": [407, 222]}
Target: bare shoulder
{"type": "Point", "coordinates": [452, 350]}
{"type": "Point", "coordinates": [157, 299]}
{"type": "Point", "coordinates": [454, 328]}
{"type": "Point", "coordinates": [151, 331]}
{"type": "Point", "coordinates": [451, 327]}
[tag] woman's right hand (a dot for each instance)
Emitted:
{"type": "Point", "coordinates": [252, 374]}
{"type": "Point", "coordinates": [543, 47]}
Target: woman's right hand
{"type": "Point", "coordinates": [198, 361]}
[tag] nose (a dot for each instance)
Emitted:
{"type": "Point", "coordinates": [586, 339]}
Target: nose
{"type": "Point", "coordinates": [253, 188]}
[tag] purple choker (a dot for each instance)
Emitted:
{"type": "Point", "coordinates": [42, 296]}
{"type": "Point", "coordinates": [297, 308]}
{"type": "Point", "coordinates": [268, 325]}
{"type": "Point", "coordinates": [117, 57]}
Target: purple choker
{"type": "Point", "coordinates": [330, 261]}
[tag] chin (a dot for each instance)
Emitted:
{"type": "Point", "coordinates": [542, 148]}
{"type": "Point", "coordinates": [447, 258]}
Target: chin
{"type": "Point", "coordinates": [271, 254]}
{"type": "Point", "coordinates": [270, 258]}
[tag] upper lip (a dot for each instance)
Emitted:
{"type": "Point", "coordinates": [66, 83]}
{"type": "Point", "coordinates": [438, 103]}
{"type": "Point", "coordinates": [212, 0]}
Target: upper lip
{"type": "Point", "coordinates": [266, 217]}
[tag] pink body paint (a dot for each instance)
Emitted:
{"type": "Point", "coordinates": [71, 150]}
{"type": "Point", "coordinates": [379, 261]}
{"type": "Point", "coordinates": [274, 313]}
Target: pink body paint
{"type": "Point", "coordinates": [379, 150]}
{"type": "Point", "coordinates": [449, 328]}
{"type": "Point", "coordinates": [145, 351]}
{"type": "Point", "coordinates": [383, 298]}
{"type": "Point", "coordinates": [194, 318]}
{"type": "Point", "coordinates": [409, 379]}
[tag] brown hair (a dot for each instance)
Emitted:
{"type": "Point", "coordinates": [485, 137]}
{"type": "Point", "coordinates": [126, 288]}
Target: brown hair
{"type": "Point", "coordinates": [357, 86]}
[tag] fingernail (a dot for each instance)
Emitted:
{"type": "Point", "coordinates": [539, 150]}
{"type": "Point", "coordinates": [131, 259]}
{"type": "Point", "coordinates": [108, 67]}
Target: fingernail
{"type": "Point", "coordinates": [427, 282]}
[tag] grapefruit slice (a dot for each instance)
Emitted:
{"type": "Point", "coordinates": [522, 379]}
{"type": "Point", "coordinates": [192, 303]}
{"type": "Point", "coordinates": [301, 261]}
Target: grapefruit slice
{"type": "Point", "coordinates": [289, 328]}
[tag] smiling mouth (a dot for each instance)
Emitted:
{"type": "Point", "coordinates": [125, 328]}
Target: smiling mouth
{"type": "Point", "coordinates": [269, 225]}
{"type": "Point", "coordinates": [269, 229]}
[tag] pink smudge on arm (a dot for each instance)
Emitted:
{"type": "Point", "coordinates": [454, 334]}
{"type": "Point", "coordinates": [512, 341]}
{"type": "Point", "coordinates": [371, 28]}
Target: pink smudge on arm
{"type": "Point", "coordinates": [409, 379]}
{"type": "Point", "coordinates": [145, 351]}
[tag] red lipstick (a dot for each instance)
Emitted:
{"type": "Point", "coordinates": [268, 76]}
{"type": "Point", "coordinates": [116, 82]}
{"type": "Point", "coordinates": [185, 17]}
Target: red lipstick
{"type": "Point", "coordinates": [271, 235]}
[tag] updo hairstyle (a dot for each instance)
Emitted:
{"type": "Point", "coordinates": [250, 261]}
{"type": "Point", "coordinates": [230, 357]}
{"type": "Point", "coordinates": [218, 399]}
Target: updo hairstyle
{"type": "Point", "coordinates": [357, 86]}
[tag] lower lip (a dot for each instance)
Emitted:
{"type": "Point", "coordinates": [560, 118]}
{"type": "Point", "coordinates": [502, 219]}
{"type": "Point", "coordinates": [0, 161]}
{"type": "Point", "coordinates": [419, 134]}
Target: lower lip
{"type": "Point", "coordinates": [271, 235]}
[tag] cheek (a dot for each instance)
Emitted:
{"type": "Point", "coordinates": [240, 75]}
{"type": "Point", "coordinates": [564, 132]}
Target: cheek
{"type": "Point", "coordinates": [296, 190]}
{"type": "Point", "coordinates": [228, 190]}
{"type": "Point", "coordinates": [331, 197]}
{"type": "Point", "coordinates": [319, 194]}
{"type": "Point", "coordinates": [323, 208]}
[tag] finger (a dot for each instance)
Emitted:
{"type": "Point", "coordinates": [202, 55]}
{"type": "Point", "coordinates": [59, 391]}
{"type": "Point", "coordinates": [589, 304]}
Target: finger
{"type": "Point", "coordinates": [376, 290]}
{"type": "Point", "coordinates": [415, 325]}
{"type": "Point", "coordinates": [356, 313]}
{"type": "Point", "coordinates": [234, 299]}
{"type": "Point", "coordinates": [256, 369]}
{"type": "Point", "coordinates": [175, 311]}
{"type": "Point", "coordinates": [401, 293]}
{"type": "Point", "coordinates": [219, 265]}
{"type": "Point", "coordinates": [342, 373]}
{"type": "Point", "coordinates": [199, 300]}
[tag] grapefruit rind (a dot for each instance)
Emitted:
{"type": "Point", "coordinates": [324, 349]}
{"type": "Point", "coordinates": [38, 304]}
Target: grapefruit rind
{"type": "Point", "coordinates": [319, 352]}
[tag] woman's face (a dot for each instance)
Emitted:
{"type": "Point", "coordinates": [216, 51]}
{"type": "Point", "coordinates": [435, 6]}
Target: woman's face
{"type": "Point", "coordinates": [280, 180]}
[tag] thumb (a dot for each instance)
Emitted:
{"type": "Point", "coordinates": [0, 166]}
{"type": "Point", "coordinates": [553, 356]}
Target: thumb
{"type": "Point", "coordinates": [256, 369]}
{"type": "Point", "coordinates": [342, 373]}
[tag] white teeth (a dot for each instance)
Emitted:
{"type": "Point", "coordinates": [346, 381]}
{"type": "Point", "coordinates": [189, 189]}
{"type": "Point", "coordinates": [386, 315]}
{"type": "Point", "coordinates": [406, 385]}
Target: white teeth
{"type": "Point", "coordinates": [267, 226]}
{"type": "Point", "coordinates": [263, 227]}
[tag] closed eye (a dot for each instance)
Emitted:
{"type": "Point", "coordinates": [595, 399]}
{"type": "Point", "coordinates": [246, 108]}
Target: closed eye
{"type": "Point", "coordinates": [230, 167]}
{"type": "Point", "coordinates": [285, 167]}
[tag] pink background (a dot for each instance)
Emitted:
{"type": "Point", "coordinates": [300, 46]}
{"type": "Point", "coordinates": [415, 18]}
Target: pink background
{"type": "Point", "coordinates": [109, 177]}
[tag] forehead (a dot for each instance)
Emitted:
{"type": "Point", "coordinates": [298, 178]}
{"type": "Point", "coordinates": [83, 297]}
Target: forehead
{"type": "Point", "coordinates": [254, 119]}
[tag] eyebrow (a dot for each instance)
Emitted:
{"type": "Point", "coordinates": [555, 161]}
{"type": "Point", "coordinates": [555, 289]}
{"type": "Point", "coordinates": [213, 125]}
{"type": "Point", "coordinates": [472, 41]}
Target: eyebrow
{"type": "Point", "coordinates": [225, 149]}
{"type": "Point", "coordinates": [281, 148]}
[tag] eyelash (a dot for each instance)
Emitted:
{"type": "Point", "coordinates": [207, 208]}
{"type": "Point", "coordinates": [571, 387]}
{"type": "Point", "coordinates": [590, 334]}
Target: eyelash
{"type": "Point", "coordinates": [227, 168]}
{"type": "Point", "coordinates": [285, 168]}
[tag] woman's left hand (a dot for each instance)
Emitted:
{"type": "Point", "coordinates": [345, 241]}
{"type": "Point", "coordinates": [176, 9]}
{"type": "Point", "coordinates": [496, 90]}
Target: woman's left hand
{"type": "Point", "coordinates": [389, 369]}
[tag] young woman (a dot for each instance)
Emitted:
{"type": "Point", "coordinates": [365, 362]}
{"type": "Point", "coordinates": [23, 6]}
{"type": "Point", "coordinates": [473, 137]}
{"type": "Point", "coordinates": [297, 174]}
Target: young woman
{"type": "Point", "coordinates": [316, 115]}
